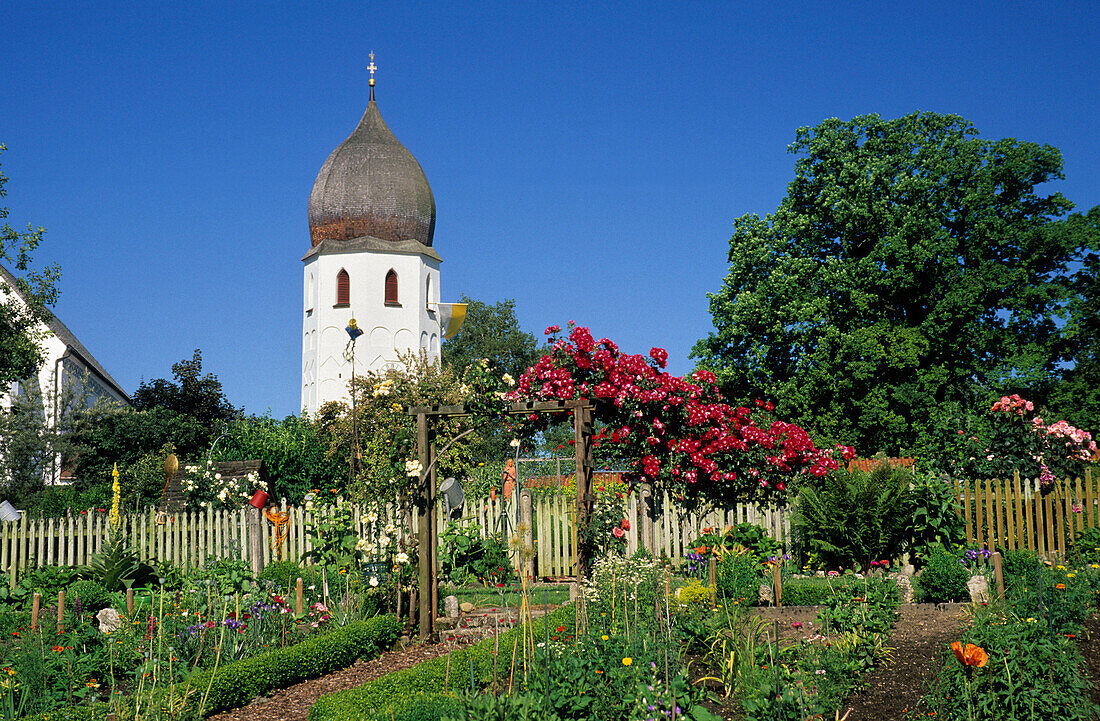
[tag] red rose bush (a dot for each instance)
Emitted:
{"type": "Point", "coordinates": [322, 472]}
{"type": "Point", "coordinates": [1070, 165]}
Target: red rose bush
{"type": "Point", "coordinates": [679, 431]}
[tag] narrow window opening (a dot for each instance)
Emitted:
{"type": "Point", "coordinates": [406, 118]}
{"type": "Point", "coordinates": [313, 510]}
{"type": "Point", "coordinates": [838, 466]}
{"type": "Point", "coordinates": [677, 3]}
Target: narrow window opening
{"type": "Point", "coordinates": [391, 288]}
{"type": "Point", "coordinates": [343, 289]}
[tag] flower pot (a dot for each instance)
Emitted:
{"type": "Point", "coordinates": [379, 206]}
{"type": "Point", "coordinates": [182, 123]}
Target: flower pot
{"type": "Point", "coordinates": [259, 499]}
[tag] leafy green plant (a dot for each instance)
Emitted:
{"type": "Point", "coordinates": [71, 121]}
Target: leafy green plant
{"type": "Point", "coordinates": [1029, 675]}
{"type": "Point", "coordinates": [1087, 544]}
{"type": "Point", "coordinates": [943, 579]}
{"type": "Point", "coordinates": [227, 575]}
{"type": "Point", "coordinates": [867, 605]}
{"type": "Point", "coordinates": [856, 517]}
{"type": "Point", "coordinates": [118, 568]}
{"type": "Point", "coordinates": [738, 577]}
{"type": "Point", "coordinates": [466, 556]}
{"type": "Point", "coordinates": [934, 520]}
{"type": "Point", "coordinates": [91, 594]}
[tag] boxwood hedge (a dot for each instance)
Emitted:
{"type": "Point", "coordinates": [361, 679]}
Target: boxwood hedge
{"type": "Point", "coordinates": [379, 697]}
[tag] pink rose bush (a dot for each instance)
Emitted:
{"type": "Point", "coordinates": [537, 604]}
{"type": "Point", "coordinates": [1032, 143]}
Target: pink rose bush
{"type": "Point", "coordinates": [1025, 442]}
{"type": "Point", "coordinates": [678, 432]}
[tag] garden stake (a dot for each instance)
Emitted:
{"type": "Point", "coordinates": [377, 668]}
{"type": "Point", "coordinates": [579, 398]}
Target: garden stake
{"type": "Point", "coordinates": [298, 598]}
{"type": "Point", "coordinates": [512, 671]}
{"type": "Point", "coordinates": [61, 612]}
{"type": "Point", "coordinates": [129, 602]}
{"type": "Point", "coordinates": [998, 574]}
{"type": "Point", "coordinates": [36, 603]}
{"type": "Point", "coordinates": [447, 674]}
{"type": "Point", "coordinates": [546, 648]}
{"type": "Point", "coordinates": [471, 660]}
{"type": "Point", "coordinates": [775, 665]}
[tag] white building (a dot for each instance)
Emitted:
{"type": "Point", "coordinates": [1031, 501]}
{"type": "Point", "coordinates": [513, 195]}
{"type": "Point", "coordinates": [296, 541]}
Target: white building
{"type": "Point", "coordinates": [371, 222]}
{"type": "Point", "coordinates": [67, 365]}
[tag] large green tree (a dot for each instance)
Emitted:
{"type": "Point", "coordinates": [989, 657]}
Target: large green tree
{"type": "Point", "coordinates": [911, 269]}
{"type": "Point", "coordinates": [25, 306]}
{"type": "Point", "coordinates": [493, 332]}
{"type": "Point", "coordinates": [191, 394]}
{"type": "Point", "coordinates": [1077, 397]}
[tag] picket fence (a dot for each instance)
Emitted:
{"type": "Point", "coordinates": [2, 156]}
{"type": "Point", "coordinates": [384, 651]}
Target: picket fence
{"type": "Point", "coordinates": [1013, 514]}
{"type": "Point", "coordinates": [187, 539]}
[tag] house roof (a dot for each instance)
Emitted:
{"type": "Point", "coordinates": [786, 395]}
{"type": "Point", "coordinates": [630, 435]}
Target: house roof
{"type": "Point", "coordinates": [66, 336]}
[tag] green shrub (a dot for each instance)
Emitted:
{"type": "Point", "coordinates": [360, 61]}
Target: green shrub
{"type": "Point", "coordinates": [421, 707]}
{"type": "Point", "coordinates": [863, 606]}
{"type": "Point", "coordinates": [695, 593]}
{"type": "Point", "coordinates": [376, 697]}
{"type": "Point", "coordinates": [92, 595]}
{"type": "Point", "coordinates": [506, 707]}
{"type": "Point", "coordinates": [1087, 544]}
{"type": "Point", "coordinates": [809, 591]}
{"type": "Point", "coordinates": [856, 517]}
{"type": "Point", "coordinates": [738, 578]}
{"type": "Point", "coordinates": [943, 579]}
{"type": "Point", "coordinates": [235, 684]}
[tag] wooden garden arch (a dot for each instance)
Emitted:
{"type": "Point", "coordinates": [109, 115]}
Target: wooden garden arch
{"type": "Point", "coordinates": [428, 598]}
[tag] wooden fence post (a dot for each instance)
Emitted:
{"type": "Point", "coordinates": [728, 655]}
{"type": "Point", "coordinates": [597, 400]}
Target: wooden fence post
{"type": "Point", "coordinates": [298, 597]}
{"type": "Point", "coordinates": [998, 574]}
{"type": "Point", "coordinates": [777, 583]}
{"type": "Point", "coordinates": [256, 539]}
{"type": "Point", "coordinates": [61, 612]}
{"type": "Point", "coordinates": [36, 605]}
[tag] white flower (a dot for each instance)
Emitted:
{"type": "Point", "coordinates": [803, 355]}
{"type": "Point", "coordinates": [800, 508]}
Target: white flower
{"type": "Point", "coordinates": [362, 545]}
{"type": "Point", "coordinates": [309, 505]}
{"type": "Point", "coordinates": [390, 529]}
{"type": "Point", "coordinates": [369, 548]}
{"type": "Point", "coordinates": [413, 468]}
{"type": "Point", "coordinates": [508, 380]}
{"type": "Point", "coordinates": [402, 557]}
{"type": "Point", "coordinates": [368, 517]}
{"type": "Point", "coordinates": [383, 541]}
{"type": "Point", "coordinates": [374, 581]}
{"type": "Point", "coordinates": [217, 476]}
{"type": "Point", "coordinates": [514, 443]}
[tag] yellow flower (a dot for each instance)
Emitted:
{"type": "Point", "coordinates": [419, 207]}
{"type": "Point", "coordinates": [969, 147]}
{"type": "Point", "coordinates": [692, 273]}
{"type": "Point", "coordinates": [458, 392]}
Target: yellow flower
{"type": "Point", "coordinates": [604, 637]}
{"type": "Point", "coordinates": [1070, 575]}
{"type": "Point", "coordinates": [627, 661]}
{"type": "Point", "coordinates": [1060, 568]}
{"type": "Point", "coordinates": [1095, 565]}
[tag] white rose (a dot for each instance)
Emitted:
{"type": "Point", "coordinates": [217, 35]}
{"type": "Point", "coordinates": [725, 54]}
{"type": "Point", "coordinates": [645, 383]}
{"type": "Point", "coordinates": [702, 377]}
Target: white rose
{"type": "Point", "coordinates": [402, 557]}
{"type": "Point", "coordinates": [374, 581]}
{"type": "Point", "coordinates": [514, 443]}
{"type": "Point", "coordinates": [390, 529]}
{"type": "Point", "coordinates": [384, 541]}
{"type": "Point", "coordinates": [508, 380]}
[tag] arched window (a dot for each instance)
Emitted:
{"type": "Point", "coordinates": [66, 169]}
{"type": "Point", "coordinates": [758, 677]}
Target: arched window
{"type": "Point", "coordinates": [391, 287]}
{"type": "Point", "coordinates": [343, 289]}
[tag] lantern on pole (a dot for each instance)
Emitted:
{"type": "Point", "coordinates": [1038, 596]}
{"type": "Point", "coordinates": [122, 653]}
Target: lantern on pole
{"type": "Point", "coordinates": [354, 331]}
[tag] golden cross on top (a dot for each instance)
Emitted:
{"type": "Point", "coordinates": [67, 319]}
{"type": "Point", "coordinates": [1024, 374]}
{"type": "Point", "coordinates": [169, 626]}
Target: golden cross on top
{"type": "Point", "coordinates": [372, 67]}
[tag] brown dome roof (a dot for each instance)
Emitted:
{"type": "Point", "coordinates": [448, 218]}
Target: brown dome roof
{"type": "Point", "coordinates": [371, 185]}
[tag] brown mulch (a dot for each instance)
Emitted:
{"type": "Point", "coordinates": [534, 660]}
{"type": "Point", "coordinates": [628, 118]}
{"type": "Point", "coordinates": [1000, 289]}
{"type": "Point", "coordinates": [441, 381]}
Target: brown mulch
{"type": "Point", "coordinates": [293, 703]}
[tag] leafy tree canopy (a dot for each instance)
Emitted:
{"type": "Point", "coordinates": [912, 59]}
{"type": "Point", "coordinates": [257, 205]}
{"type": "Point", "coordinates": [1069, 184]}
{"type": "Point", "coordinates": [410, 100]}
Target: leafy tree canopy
{"type": "Point", "coordinates": [911, 266]}
{"type": "Point", "coordinates": [20, 353]}
{"type": "Point", "coordinates": [493, 332]}
{"type": "Point", "coordinates": [192, 394]}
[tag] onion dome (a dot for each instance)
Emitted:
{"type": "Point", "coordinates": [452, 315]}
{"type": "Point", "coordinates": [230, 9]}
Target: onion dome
{"type": "Point", "coordinates": [371, 185]}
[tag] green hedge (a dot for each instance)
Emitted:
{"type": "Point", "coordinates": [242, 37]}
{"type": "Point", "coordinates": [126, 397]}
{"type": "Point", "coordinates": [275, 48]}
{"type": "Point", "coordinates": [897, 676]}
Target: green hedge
{"type": "Point", "coordinates": [376, 698]}
{"type": "Point", "coordinates": [237, 683]}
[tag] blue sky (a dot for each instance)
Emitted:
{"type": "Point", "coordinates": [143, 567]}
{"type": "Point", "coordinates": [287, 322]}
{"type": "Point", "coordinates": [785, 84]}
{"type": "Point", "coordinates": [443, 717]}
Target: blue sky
{"type": "Point", "coordinates": [587, 160]}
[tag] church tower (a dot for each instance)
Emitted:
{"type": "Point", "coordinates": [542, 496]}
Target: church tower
{"type": "Point", "coordinates": [371, 222]}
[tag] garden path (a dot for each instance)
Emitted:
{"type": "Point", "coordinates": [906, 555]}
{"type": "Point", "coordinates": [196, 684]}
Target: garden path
{"type": "Point", "coordinates": [921, 632]}
{"type": "Point", "coordinates": [293, 703]}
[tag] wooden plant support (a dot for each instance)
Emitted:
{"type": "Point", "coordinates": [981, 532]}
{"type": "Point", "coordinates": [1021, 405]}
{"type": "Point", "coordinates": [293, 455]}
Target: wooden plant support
{"type": "Point", "coordinates": [61, 612]}
{"type": "Point", "coordinates": [298, 589]}
{"type": "Point", "coordinates": [129, 602]}
{"type": "Point", "coordinates": [36, 606]}
{"type": "Point", "coordinates": [777, 584]}
{"type": "Point", "coordinates": [712, 572]}
{"type": "Point", "coordinates": [998, 574]}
